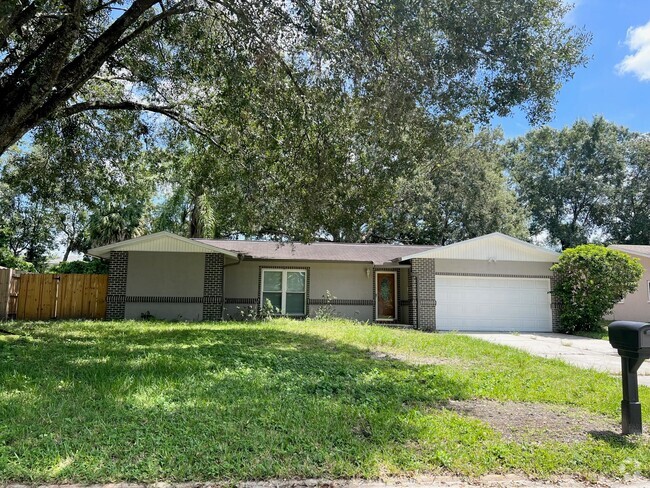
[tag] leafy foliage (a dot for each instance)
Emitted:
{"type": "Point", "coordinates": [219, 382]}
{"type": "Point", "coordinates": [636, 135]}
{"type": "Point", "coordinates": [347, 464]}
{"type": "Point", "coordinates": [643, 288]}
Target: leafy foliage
{"type": "Point", "coordinates": [628, 221]}
{"type": "Point", "coordinates": [456, 195]}
{"type": "Point", "coordinates": [591, 280]}
{"type": "Point", "coordinates": [288, 119]}
{"type": "Point", "coordinates": [27, 225]}
{"type": "Point", "coordinates": [327, 311]}
{"type": "Point", "coordinates": [53, 198]}
{"type": "Point", "coordinates": [568, 179]}
{"type": "Point", "coordinates": [92, 266]}
{"type": "Point", "coordinates": [8, 260]}
{"type": "Point", "coordinates": [145, 55]}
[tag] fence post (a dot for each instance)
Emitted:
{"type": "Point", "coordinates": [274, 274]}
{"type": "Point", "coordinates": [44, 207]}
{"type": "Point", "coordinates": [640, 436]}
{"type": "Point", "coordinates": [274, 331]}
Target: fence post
{"type": "Point", "coordinates": [9, 284]}
{"type": "Point", "coordinates": [5, 281]}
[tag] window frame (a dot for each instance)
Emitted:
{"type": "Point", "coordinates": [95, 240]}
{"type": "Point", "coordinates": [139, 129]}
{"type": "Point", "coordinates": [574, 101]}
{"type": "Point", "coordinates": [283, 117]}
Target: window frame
{"type": "Point", "coordinates": [283, 291]}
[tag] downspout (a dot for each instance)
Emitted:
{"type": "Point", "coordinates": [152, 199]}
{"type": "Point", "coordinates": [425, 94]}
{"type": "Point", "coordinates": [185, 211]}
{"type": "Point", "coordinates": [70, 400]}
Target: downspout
{"type": "Point", "coordinates": [417, 303]}
{"type": "Point", "coordinates": [240, 258]}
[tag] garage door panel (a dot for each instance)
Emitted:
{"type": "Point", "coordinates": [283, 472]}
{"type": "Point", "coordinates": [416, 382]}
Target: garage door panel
{"type": "Point", "coordinates": [487, 303]}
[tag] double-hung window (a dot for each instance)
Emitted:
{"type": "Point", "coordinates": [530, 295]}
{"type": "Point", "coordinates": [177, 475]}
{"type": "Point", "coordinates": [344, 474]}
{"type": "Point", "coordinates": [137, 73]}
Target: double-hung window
{"type": "Point", "coordinates": [286, 289]}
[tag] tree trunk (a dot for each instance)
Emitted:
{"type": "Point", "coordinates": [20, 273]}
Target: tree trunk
{"type": "Point", "coordinates": [29, 99]}
{"type": "Point", "coordinates": [67, 253]}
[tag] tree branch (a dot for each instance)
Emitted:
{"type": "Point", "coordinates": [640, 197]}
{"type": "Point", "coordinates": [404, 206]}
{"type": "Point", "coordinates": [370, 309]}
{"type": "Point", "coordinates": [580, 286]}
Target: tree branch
{"type": "Point", "coordinates": [11, 23]}
{"type": "Point", "coordinates": [177, 9]}
{"type": "Point", "coordinates": [121, 105]}
{"type": "Point", "coordinates": [166, 110]}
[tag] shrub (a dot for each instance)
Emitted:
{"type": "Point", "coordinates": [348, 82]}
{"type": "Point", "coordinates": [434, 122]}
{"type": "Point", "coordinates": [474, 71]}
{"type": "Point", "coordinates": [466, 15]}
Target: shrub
{"type": "Point", "coordinates": [92, 266]}
{"type": "Point", "coordinates": [8, 260]}
{"type": "Point", "coordinates": [591, 279]}
{"type": "Point", "coordinates": [265, 313]}
{"type": "Point", "coordinates": [326, 311]}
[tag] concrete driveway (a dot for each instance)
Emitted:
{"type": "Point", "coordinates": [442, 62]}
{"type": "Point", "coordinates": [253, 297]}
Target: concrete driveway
{"type": "Point", "coordinates": [583, 352]}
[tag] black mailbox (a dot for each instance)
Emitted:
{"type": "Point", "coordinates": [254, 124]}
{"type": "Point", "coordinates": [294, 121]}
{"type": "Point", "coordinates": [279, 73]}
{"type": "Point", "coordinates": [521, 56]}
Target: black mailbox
{"type": "Point", "coordinates": [632, 339]}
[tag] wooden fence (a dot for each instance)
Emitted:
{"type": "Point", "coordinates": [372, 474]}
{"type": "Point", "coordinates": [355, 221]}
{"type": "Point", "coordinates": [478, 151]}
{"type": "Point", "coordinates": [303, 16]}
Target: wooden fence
{"type": "Point", "coordinates": [49, 296]}
{"type": "Point", "coordinates": [9, 283]}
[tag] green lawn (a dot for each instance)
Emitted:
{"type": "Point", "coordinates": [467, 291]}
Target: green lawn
{"type": "Point", "coordinates": [93, 402]}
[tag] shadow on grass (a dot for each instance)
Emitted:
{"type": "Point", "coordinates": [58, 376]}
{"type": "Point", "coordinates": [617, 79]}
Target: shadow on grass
{"type": "Point", "coordinates": [200, 403]}
{"type": "Point", "coordinates": [615, 439]}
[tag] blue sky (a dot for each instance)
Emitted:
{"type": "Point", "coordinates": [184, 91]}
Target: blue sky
{"type": "Point", "coordinates": [619, 28]}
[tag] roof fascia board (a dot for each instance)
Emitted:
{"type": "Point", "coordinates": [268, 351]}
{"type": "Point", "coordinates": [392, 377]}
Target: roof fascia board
{"type": "Point", "coordinates": [103, 250]}
{"type": "Point", "coordinates": [432, 252]}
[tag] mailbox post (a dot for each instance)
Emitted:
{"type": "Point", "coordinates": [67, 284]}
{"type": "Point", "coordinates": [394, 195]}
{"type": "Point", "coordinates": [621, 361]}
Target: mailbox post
{"type": "Point", "coordinates": [632, 339]}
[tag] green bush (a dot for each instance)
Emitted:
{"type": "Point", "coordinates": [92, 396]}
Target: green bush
{"type": "Point", "coordinates": [591, 279]}
{"type": "Point", "coordinates": [8, 260]}
{"type": "Point", "coordinates": [92, 266]}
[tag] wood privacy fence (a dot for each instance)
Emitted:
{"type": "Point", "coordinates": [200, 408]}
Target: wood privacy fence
{"type": "Point", "coordinates": [52, 296]}
{"type": "Point", "coordinates": [9, 283]}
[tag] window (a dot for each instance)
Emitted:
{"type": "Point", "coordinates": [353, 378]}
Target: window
{"type": "Point", "coordinates": [285, 289]}
{"type": "Point", "coordinates": [648, 283]}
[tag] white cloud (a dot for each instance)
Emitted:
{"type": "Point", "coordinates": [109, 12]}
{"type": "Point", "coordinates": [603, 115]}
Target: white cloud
{"type": "Point", "coordinates": [637, 63]}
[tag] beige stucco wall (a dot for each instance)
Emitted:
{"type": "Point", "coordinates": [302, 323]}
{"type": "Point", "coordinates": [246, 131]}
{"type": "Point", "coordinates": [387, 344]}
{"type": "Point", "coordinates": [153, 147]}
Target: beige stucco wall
{"type": "Point", "coordinates": [165, 274]}
{"type": "Point", "coordinates": [636, 305]}
{"type": "Point", "coordinates": [345, 281]}
{"type": "Point", "coordinates": [498, 267]}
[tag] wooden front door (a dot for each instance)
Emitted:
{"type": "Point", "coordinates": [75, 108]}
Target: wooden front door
{"type": "Point", "coordinates": [386, 295]}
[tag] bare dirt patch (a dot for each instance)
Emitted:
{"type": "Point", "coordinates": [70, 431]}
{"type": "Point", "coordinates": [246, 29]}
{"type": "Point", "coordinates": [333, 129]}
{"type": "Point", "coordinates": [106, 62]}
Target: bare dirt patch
{"type": "Point", "coordinates": [420, 360]}
{"type": "Point", "coordinates": [488, 481]}
{"type": "Point", "coordinates": [538, 422]}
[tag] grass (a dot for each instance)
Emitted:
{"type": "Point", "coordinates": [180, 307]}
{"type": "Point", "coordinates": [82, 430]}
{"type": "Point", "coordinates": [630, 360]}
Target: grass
{"type": "Point", "coordinates": [601, 333]}
{"type": "Point", "coordinates": [99, 402]}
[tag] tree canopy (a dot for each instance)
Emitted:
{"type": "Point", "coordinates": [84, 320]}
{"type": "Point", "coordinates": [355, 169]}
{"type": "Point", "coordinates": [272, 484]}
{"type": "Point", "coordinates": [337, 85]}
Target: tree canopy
{"type": "Point", "coordinates": [456, 195]}
{"type": "Point", "coordinates": [59, 58]}
{"type": "Point", "coordinates": [292, 118]}
{"type": "Point", "coordinates": [583, 183]}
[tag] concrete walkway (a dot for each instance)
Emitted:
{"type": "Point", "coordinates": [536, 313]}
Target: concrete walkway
{"type": "Point", "coordinates": [583, 352]}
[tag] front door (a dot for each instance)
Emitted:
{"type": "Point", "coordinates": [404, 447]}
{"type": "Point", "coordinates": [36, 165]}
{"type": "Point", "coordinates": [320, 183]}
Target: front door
{"type": "Point", "coordinates": [386, 295]}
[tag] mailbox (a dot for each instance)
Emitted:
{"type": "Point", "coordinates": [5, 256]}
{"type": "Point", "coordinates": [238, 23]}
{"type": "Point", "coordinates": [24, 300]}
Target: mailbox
{"type": "Point", "coordinates": [632, 339]}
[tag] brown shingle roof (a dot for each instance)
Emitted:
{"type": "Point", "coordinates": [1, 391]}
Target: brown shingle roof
{"type": "Point", "coordinates": [634, 249]}
{"type": "Point", "coordinates": [318, 251]}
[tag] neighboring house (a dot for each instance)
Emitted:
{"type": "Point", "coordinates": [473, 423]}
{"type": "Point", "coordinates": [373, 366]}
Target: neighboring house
{"type": "Point", "coordinates": [635, 306]}
{"type": "Point", "coordinates": [493, 282]}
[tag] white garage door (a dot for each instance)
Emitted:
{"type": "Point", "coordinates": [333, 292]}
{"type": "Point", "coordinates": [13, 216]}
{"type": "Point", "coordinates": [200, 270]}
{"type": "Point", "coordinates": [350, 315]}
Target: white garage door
{"type": "Point", "coordinates": [493, 304]}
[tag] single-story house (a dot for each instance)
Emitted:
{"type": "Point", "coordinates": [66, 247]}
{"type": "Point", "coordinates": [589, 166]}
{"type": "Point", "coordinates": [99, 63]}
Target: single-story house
{"type": "Point", "coordinates": [493, 282]}
{"type": "Point", "coordinates": [635, 306]}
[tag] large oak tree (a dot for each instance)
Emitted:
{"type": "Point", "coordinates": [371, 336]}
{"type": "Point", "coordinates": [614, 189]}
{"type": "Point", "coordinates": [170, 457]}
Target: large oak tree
{"type": "Point", "coordinates": [59, 58]}
{"type": "Point", "coordinates": [570, 179]}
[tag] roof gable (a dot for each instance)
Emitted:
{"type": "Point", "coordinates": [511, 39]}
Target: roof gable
{"type": "Point", "coordinates": [636, 250]}
{"type": "Point", "coordinates": [159, 242]}
{"type": "Point", "coordinates": [490, 247]}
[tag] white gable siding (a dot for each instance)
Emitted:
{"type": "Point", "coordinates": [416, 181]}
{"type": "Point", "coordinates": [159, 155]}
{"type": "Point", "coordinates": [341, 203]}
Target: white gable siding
{"type": "Point", "coordinates": [163, 245]}
{"type": "Point", "coordinates": [492, 247]}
